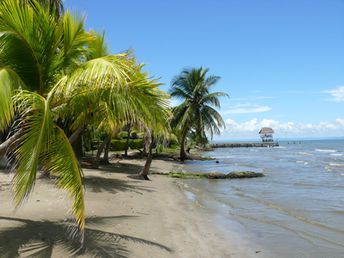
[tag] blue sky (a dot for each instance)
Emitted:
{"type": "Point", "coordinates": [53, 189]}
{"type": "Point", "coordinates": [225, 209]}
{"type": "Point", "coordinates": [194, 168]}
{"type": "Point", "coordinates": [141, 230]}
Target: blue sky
{"type": "Point", "coordinates": [282, 62]}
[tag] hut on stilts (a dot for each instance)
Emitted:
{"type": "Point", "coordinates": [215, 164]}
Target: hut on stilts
{"type": "Point", "coordinates": [266, 133]}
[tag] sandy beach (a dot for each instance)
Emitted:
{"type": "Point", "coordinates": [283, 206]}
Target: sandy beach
{"type": "Point", "coordinates": [126, 217]}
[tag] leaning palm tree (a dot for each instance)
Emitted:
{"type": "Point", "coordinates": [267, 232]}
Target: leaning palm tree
{"type": "Point", "coordinates": [197, 111]}
{"type": "Point", "coordinates": [51, 71]}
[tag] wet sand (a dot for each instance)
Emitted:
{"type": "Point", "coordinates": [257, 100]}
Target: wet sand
{"type": "Point", "coordinates": [126, 217]}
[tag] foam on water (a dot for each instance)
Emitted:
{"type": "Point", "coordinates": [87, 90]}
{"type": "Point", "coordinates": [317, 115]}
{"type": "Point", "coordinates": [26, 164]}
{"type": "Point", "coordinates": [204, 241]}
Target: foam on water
{"type": "Point", "coordinates": [332, 164]}
{"type": "Point", "coordinates": [337, 154]}
{"type": "Point", "coordinates": [302, 162]}
{"type": "Point", "coordinates": [326, 150]}
{"type": "Point", "coordinates": [305, 153]}
{"type": "Point", "coordinates": [280, 147]}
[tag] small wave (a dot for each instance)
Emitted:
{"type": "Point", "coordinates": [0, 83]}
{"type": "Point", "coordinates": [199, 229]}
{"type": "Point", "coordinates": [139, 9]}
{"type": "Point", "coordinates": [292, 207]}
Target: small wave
{"type": "Point", "coordinates": [280, 147]}
{"type": "Point", "coordinates": [326, 150]}
{"type": "Point", "coordinates": [336, 164]}
{"type": "Point", "coordinates": [337, 154]}
{"type": "Point", "coordinates": [305, 153]}
{"type": "Point", "coordinates": [302, 162]}
{"type": "Point", "coordinates": [191, 196]}
{"type": "Point", "coordinates": [224, 156]}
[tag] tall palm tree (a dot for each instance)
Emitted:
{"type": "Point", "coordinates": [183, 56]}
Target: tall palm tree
{"type": "Point", "coordinates": [52, 70]}
{"type": "Point", "coordinates": [197, 111]}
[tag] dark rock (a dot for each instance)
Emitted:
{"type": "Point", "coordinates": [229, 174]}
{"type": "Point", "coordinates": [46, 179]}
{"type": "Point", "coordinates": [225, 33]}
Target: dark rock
{"type": "Point", "coordinates": [216, 176]}
{"type": "Point", "coordinates": [244, 174]}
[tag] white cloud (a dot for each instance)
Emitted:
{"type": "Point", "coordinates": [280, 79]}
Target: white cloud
{"type": "Point", "coordinates": [247, 109]}
{"type": "Point", "coordinates": [251, 128]}
{"type": "Point", "coordinates": [340, 121]}
{"type": "Point", "coordinates": [337, 94]}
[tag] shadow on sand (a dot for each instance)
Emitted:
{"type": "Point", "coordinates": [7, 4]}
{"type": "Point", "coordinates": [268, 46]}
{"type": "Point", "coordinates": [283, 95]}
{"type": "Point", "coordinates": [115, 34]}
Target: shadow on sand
{"type": "Point", "coordinates": [31, 238]}
{"type": "Point", "coordinates": [102, 184]}
{"type": "Point", "coordinates": [124, 168]}
{"type": "Point", "coordinates": [121, 168]}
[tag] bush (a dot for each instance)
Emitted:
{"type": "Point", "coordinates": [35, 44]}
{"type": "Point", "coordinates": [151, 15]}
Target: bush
{"type": "Point", "coordinates": [136, 144]}
{"type": "Point", "coordinates": [173, 143]}
{"type": "Point", "coordinates": [123, 135]}
{"type": "Point", "coordinates": [119, 145]}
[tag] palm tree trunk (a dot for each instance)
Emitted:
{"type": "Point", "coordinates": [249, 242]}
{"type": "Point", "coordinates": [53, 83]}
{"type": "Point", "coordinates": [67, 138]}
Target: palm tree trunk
{"type": "Point", "coordinates": [104, 146]}
{"type": "Point", "coordinates": [77, 134]}
{"type": "Point", "coordinates": [145, 171]}
{"type": "Point", "coordinates": [78, 147]}
{"type": "Point", "coordinates": [183, 155]}
{"type": "Point", "coordinates": [76, 138]}
{"type": "Point", "coordinates": [8, 144]}
{"type": "Point", "coordinates": [146, 141]}
{"type": "Point", "coordinates": [106, 151]}
{"type": "Point", "coordinates": [127, 143]}
{"type": "Point", "coordinates": [100, 150]}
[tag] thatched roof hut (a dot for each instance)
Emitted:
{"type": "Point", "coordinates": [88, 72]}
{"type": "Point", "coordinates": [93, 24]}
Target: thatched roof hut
{"type": "Point", "coordinates": [266, 134]}
{"type": "Point", "coordinates": [266, 130]}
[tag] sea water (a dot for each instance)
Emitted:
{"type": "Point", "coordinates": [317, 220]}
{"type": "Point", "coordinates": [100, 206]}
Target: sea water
{"type": "Point", "coordinates": [297, 210]}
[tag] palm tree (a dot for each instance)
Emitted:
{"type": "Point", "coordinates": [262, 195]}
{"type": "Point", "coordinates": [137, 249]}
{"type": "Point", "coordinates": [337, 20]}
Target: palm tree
{"type": "Point", "coordinates": [197, 111]}
{"type": "Point", "coordinates": [52, 71]}
{"type": "Point", "coordinates": [55, 7]}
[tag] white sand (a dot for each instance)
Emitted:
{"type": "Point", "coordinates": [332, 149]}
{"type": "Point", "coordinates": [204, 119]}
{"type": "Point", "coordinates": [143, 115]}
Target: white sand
{"type": "Point", "coordinates": [126, 218]}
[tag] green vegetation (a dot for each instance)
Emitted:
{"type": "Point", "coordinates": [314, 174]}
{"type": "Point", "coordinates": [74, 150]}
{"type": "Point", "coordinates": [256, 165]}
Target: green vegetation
{"type": "Point", "coordinates": [55, 76]}
{"type": "Point", "coordinates": [120, 145]}
{"type": "Point", "coordinates": [196, 115]}
{"type": "Point", "coordinates": [63, 93]}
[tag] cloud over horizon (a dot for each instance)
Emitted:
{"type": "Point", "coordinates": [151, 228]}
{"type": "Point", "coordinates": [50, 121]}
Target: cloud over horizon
{"type": "Point", "coordinates": [250, 128]}
{"type": "Point", "coordinates": [336, 93]}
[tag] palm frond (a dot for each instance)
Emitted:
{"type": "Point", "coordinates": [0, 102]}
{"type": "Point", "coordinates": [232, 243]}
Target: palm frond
{"type": "Point", "coordinates": [44, 144]}
{"type": "Point", "coordinates": [61, 161]}
{"type": "Point", "coordinates": [28, 30]}
{"type": "Point", "coordinates": [75, 40]}
{"type": "Point", "coordinates": [97, 47]}
{"type": "Point", "coordinates": [37, 126]}
{"type": "Point", "coordinates": [9, 81]}
{"type": "Point", "coordinates": [12, 50]}
{"type": "Point", "coordinates": [213, 98]}
{"type": "Point", "coordinates": [99, 73]}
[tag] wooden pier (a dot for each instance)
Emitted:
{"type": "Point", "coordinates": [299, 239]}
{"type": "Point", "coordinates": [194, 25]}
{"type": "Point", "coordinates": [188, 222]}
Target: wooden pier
{"type": "Point", "coordinates": [244, 144]}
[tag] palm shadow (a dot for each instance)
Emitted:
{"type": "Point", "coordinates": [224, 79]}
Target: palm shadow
{"type": "Point", "coordinates": [31, 238]}
{"type": "Point", "coordinates": [121, 168]}
{"type": "Point", "coordinates": [102, 184]}
{"type": "Point", "coordinates": [125, 168]}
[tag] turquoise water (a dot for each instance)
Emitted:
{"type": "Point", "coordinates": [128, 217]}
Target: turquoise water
{"type": "Point", "coordinates": [297, 210]}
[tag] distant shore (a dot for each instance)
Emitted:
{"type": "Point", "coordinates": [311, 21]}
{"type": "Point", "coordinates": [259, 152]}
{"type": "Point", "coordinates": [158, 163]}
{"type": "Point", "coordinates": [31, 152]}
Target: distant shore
{"type": "Point", "coordinates": [126, 218]}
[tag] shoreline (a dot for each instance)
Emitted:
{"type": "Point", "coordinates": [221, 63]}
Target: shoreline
{"type": "Point", "coordinates": [131, 218]}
